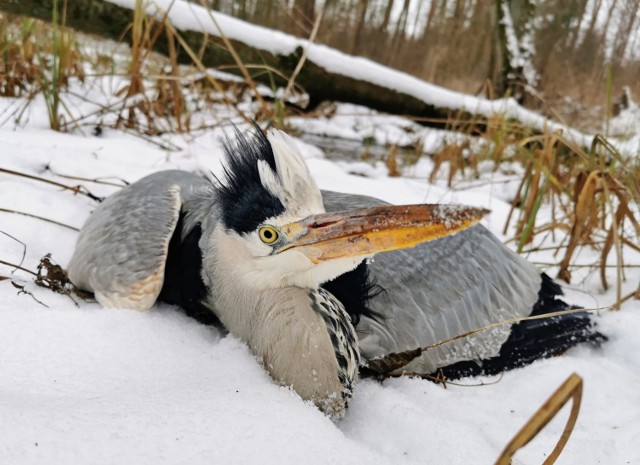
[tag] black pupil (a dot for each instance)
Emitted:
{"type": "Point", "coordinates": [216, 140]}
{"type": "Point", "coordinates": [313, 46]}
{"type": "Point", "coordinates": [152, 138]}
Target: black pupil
{"type": "Point", "coordinates": [268, 234]}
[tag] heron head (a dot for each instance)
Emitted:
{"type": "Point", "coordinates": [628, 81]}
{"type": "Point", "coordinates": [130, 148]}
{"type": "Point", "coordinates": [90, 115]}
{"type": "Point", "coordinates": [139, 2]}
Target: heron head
{"type": "Point", "coordinates": [275, 230]}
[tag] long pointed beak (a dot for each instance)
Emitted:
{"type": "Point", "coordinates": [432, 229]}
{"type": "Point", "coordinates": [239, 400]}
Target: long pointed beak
{"type": "Point", "coordinates": [368, 231]}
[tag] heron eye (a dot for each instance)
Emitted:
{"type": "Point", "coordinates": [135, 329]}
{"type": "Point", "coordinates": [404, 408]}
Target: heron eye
{"type": "Point", "coordinates": [268, 234]}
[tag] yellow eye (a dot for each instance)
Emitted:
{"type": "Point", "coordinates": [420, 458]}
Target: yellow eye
{"type": "Point", "coordinates": [268, 234]}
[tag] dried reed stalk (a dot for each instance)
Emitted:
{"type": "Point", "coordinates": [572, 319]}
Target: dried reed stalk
{"type": "Point", "coordinates": [198, 64]}
{"type": "Point", "coordinates": [243, 69]}
{"type": "Point", "coordinates": [570, 389]}
{"type": "Point", "coordinates": [75, 189]}
{"type": "Point", "coordinates": [16, 212]}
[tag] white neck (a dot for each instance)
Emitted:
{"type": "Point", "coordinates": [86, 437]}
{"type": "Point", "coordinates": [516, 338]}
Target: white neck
{"type": "Point", "coordinates": [289, 336]}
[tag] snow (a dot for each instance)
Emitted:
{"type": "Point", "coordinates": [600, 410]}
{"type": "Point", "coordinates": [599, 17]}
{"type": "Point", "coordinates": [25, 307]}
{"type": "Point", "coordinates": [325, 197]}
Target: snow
{"type": "Point", "coordinates": [627, 123]}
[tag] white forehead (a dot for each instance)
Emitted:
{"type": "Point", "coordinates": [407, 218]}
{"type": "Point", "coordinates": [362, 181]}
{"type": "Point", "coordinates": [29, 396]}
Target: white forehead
{"type": "Point", "coordinates": [293, 183]}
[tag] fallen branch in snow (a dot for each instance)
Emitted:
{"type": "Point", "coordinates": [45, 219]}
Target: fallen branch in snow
{"type": "Point", "coordinates": [79, 189]}
{"type": "Point", "coordinates": [16, 212]}
{"type": "Point", "coordinates": [24, 246]}
{"type": "Point", "coordinates": [53, 277]}
{"type": "Point", "coordinates": [94, 180]}
{"type": "Point", "coordinates": [439, 378]}
{"type": "Point", "coordinates": [18, 267]}
{"type": "Point", "coordinates": [22, 290]}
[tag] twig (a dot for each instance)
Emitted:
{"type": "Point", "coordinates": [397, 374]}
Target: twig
{"type": "Point", "coordinates": [303, 58]}
{"type": "Point", "coordinates": [94, 180]}
{"type": "Point", "coordinates": [263, 67]}
{"type": "Point", "coordinates": [570, 389]}
{"type": "Point", "coordinates": [5, 210]}
{"type": "Point", "coordinates": [75, 189]}
{"type": "Point", "coordinates": [24, 247]}
{"type": "Point", "coordinates": [22, 290]}
{"type": "Point", "coordinates": [481, 183]}
{"type": "Point", "coordinates": [231, 49]}
{"type": "Point", "coordinates": [515, 320]}
{"type": "Point", "coordinates": [12, 265]}
{"type": "Point", "coordinates": [553, 247]}
{"type": "Point", "coordinates": [441, 379]}
{"type": "Point", "coordinates": [632, 295]}
{"type": "Point", "coordinates": [630, 244]}
{"type": "Point", "coordinates": [585, 265]}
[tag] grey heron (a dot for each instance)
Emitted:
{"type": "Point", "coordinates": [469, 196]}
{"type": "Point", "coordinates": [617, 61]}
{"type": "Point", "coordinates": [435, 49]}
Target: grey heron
{"type": "Point", "coordinates": [283, 266]}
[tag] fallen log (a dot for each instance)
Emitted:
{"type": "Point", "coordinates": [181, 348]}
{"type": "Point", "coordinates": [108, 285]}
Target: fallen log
{"type": "Point", "coordinates": [327, 74]}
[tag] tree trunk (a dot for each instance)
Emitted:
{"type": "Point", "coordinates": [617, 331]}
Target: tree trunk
{"type": "Point", "coordinates": [387, 16]}
{"type": "Point", "coordinates": [305, 11]}
{"type": "Point", "coordinates": [432, 12]}
{"type": "Point", "coordinates": [357, 27]}
{"type": "Point", "coordinates": [576, 31]}
{"type": "Point", "coordinates": [605, 30]}
{"type": "Point", "coordinates": [624, 35]}
{"type": "Point", "coordinates": [514, 79]}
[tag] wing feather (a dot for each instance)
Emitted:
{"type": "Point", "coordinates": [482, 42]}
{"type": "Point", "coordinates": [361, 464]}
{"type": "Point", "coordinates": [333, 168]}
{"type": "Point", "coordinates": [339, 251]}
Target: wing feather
{"type": "Point", "coordinates": [121, 251]}
{"type": "Point", "coordinates": [442, 289]}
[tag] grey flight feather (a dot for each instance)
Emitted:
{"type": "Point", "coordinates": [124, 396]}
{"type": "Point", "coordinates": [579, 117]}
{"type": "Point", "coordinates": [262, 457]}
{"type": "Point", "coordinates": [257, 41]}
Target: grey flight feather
{"type": "Point", "coordinates": [121, 257]}
{"type": "Point", "coordinates": [442, 289]}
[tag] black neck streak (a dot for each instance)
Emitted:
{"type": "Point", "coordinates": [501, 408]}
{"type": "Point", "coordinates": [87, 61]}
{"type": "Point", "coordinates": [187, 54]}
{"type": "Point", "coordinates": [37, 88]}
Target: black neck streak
{"type": "Point", "coordinates": [343, 337]}
{"type": "Point", "coordinates": [355, 289]}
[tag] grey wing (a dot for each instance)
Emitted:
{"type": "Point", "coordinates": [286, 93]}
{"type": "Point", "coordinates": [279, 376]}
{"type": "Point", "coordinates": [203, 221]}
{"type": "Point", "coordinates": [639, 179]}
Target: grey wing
{"type": "Point", "coordinates": [441, 289]}
{"type": "Point", "coordinates": [122, 248]}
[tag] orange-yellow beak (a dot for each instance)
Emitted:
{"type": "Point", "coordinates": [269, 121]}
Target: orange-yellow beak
{"type": "Point", "coordinates": [368, 231]}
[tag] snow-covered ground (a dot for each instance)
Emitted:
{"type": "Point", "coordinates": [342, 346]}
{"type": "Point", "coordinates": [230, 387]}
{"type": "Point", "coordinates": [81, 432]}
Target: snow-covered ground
{"type": "Point", "coordinates": [83, 384]}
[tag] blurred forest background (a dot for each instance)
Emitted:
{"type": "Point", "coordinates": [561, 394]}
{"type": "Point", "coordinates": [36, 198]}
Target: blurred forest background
{"type": "Point", "coordinates": [574, 61]}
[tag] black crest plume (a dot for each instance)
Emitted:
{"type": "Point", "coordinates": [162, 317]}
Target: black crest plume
{"type": "Point", "coordinates": [244, 201]}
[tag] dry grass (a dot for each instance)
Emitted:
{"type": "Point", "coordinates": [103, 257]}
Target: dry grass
{"type": "Point", "coordinates": [39, 59]}
{"type": "Point", "coordinates": [571, 389]}
{"type": "Point", "coordinates": [157, 105]}
{"type": "Point", "coordinates": [593, 192]}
